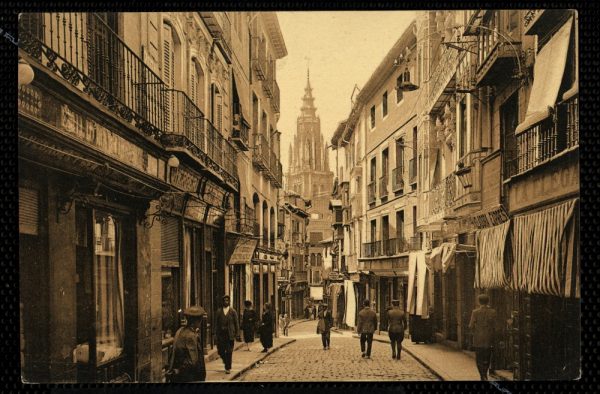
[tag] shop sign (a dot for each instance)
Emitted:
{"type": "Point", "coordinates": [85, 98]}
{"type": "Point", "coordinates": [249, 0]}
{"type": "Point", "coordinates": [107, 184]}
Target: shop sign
{"type": "Point", "coordinates": [87, 130]}
{"type": "Point", "coordinates": [195, 209]}
{"type": "Point", "coordinates": [184, 180]}
{"type": "Point", "coordinates": [244, 250]}
{"type": "Point", "coordinates": [544, 186]}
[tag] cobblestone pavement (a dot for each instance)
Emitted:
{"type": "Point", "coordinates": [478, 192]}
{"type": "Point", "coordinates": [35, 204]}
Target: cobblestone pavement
{"type": "Point", "coordinates": [305, 360]}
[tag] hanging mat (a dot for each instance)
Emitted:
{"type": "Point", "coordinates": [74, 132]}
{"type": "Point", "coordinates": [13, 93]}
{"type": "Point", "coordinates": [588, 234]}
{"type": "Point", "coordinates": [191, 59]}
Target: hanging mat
{"type": "Point", "coordinates": [489, 270]}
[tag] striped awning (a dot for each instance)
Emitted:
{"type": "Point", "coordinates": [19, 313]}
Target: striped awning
{"type": "Point", "coordinates": [489, 269]}
{"type": "Point", "coordinates": [546, 252]}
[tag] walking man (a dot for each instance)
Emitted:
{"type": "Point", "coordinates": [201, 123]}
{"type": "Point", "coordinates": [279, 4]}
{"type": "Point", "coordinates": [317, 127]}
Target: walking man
{"type": "Point", "coordinates": [324, 326]}
{"type": "Point", "coordinates": [367, 323]}
{"type": "Point", "coordinates": [187, 359]}
{"type": "Point", "coordinates": [396, 327]}
{"type": "Point", "coordinates": [483, 325]}
{"type": "Point", "coordinates": [286, 324]}
{"type": "Point", "coordinates": [227, 331]}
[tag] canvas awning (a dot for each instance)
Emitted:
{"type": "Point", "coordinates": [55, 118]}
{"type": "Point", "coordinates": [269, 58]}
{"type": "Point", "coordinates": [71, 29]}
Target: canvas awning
{"type": "Point", "coordinates": [547, 77]}
{"type": "Point", "coordinates": [545, 252]}
{"type": "Point", "coordinates": [489, 269]}
{"type": "Point", "coordinates": [442, 257]}
{"type": "Point", "coordinates": [243, 251]}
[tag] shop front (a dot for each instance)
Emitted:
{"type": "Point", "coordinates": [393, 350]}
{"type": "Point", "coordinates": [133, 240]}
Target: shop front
{"type": "Point", "coordinates": [85, 186]}
{"type": "Point", "coordinates": [265, 270]}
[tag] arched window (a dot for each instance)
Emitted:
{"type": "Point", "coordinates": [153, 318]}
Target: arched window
{"type": "Point", "coordinates": [197, 85]}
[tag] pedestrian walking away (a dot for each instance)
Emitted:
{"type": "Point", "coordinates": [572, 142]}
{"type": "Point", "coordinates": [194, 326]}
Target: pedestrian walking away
{"type": "Point", "coordinates": [396, 327]}
{"type": "Point", "coordinates": [266, 329]}
{"type": "Point", "coordinates": [483, 326]}
{"type": "Point", "coordinates": [314, 312]}
{"type": "Point", "coordinates": [187, 359]}
{"type": "Point", "coordinates": [286, 324]}
{"type": "Point", "coordinates": [324, 326]}
{"type": "Point", "coordinates": [367, 323]}
{"type": "Point", "coordinates": [249, 321]}
{"type": "Point", "coordinates": [227, 332]}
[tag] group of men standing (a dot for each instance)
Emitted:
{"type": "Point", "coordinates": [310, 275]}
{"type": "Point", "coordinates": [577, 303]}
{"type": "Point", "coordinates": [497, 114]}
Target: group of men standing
{"type": "Point", "coordinates": [187, 359]}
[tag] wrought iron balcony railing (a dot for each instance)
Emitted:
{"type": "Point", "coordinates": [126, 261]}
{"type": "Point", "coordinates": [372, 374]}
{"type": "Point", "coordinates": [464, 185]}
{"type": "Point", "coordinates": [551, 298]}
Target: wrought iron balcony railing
{"type": "Point", "coordinates": [240, 134]}
{"type": "Point", "coordinates": [397, 179]}
{"type": "Point", "coordinates": [546, 139]}
{"type": "Point", "coordinates": [259, 58]}
{"type": "Point", "coordinates": [82, 49]}
{"type": "Point", "coordinates": [383, 187]}
{"type": "Point", "coordinates": [276, 100]}
{"type": "Point", "coordinates": [412, 171]}
{"type": "Point", "coordinates": [260, 155]}
{"type": "Point", "coordinates": [442, 195]}
{"type": "Point", "coordinates": [219, 26]}
{"type": "Point", "coordinates": [414, 243]}
{"type": "Point", "coordinates": [371, 192]}
{"type": "Point", "coordinates": [372, 249]}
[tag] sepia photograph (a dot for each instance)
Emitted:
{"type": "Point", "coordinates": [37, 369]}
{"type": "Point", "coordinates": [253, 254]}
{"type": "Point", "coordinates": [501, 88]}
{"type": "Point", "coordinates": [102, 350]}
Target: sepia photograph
{"type": "Point", "coordinates": [299, 196]}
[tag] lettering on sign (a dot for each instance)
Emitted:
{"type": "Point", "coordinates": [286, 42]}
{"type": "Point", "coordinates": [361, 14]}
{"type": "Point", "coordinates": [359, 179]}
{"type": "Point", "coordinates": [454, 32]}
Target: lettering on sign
{"type": "Point", "coordinates": [542, 187]}
{"type": "Point", "coordinates": [195, 209]}
{"type": "Point", "coordinates": [87, 130]}
{"type": "Point", "coordinates": [184, 180]}
{"type": "Point", "coordinates": [244, 250]}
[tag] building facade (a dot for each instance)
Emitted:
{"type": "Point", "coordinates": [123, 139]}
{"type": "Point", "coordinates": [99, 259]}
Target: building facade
{"type": "Point", "coordinates": [130, 137]}
{"type": "Point", "coordinates": [293, 281]}
{"type": "Point", "coordinates": [492, 159]}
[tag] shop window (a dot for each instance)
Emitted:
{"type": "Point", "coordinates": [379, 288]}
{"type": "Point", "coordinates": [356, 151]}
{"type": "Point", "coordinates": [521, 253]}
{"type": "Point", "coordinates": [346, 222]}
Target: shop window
{"type": "Point", "coordinates": [101, 301]}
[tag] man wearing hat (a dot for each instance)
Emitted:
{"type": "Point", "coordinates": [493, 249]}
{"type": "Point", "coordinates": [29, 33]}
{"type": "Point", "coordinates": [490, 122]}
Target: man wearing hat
{"type": "Point", "coordinates": [227, 327]}
{"type": "Point", "coordinates": [367, 323]}
{"type": "Point", "coordinates": [396, 327]}
{"type": "Point", "coordinates": [483, 326]}
{"type": "Point", "coordinates": [187, 359]}
{"type": "Point", "coordinates": [324, 326]}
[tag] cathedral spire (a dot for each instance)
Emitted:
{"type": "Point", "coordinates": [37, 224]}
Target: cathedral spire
{"type": "Point", "coordinates": [308, 101]}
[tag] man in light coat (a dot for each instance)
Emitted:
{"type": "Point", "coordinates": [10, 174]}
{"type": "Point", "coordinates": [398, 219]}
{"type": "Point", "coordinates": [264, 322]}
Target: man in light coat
{"type": "Point", "coordinates": [367, 323]}
{"type": "Point", "coordinates": [483, 326]}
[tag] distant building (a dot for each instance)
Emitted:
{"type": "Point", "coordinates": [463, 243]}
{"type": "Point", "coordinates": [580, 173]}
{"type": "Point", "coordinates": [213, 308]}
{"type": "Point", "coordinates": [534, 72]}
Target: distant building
{"type": "Point", "coordinates": [309, 176]}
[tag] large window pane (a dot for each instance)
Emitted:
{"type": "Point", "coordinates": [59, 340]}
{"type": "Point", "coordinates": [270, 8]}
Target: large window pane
{"type": "Point", "coordinates": [108, 275]}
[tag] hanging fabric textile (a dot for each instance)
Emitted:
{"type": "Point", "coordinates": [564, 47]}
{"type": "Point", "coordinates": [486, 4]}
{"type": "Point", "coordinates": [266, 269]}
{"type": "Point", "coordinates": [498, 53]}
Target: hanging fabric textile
{"type": "Point", "coordinates": [350, 318]}
{"type": "Point", "coordinates": [489, 269]}
{"type": "Point", "coordinates": [417, 300]}
{"type": "Point", "coordinates": [448, 255]}
{"type": "Point", "coordinates": [545, 252]}
{"type": "Point", "coordinates": [435, 259]}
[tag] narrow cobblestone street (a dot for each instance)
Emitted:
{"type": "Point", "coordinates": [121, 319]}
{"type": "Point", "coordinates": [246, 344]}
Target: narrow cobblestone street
{"type": "Point", "coordinates": [305, 360]}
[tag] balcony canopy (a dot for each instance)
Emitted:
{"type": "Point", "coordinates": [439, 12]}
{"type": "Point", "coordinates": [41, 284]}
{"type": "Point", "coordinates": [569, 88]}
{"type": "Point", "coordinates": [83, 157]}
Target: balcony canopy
{"type": "Point", "coordinates": [333, 204]}
{"type": "Point", "coordinates": [548, 74]}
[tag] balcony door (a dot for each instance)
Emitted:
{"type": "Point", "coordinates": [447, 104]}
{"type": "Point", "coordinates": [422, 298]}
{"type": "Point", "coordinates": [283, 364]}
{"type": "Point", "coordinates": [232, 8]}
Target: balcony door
{"type": "Point", "coordinates": [104, 59]}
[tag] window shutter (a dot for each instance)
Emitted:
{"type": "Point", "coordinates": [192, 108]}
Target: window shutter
{"type": "Point", "coordinates": [169, 241]}
{"type": "Point", "coordinates": [28, 211]}
{"type": "Point", "coordinates": [167, 71]}
{"type": "Point", "coordinates": [193, 84]}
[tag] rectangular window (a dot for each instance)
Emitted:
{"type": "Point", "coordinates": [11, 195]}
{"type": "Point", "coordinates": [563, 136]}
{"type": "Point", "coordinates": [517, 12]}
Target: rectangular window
{"type": "Point", "coordinates": [414, 223]}
{"type": "Point", "coordinates": [400, 224]}
{"type": "Point", "coordinates": [384, 162]}
{"type": "Point", "coordinates": [385, 228]}
{"type": "Point", "coordinates": [463, 128]}
{"type": "Point", "coordinates": [399, 94]}
{"type": "Point", "coordinates": [384, 108]}
{"type": "Point", "coordinates": [373, 117]}
{"type": "Point", "coordinates": [373, 230]}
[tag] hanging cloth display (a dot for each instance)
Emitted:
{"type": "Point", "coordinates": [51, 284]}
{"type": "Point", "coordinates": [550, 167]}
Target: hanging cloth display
{"type": "Point", "coordinates": [545, 251]}
{"type": "Point", "coordinates": [489, 269]}
{"type": "Point", "coordinates": [448, 255]}
{"type": "Point", "coordinates": [417, 299]}
{"type": "Point", "coordinates": [350, 315]}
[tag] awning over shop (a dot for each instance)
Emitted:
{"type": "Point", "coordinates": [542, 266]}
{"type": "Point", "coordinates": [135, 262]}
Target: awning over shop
{"type": "Point", "coordinates": [546, 252]}
{"type": "Point", "coordinates": [548, 74]}
{"type": "Point", "coordinates": [316, 293]}
{"type": "Point", "coordinates": [351, 302]}
{"type": "Point", "coordinates": [390, 273]}
{"type": "Point", "coordinates": [443, 257]}
{"type": "Point", "coordinates": [489, 269]}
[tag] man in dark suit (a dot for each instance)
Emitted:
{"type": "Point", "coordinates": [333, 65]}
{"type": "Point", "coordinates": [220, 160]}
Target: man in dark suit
{"type": "Point", "coordinates": [187, 360]}
{"type": "Point", "coordinates": [227, 327]}
{"type": "Point", "coordinates": [396, 327]}
{"type": "Point", "coordinates": [367, 323]}
{"type": "Point", "coordinates": [483, 326]}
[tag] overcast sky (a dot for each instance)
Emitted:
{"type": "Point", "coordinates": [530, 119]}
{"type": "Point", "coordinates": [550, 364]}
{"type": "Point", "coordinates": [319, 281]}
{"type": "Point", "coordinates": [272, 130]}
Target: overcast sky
{"type": "Point", "coordinates": [343, 49]}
